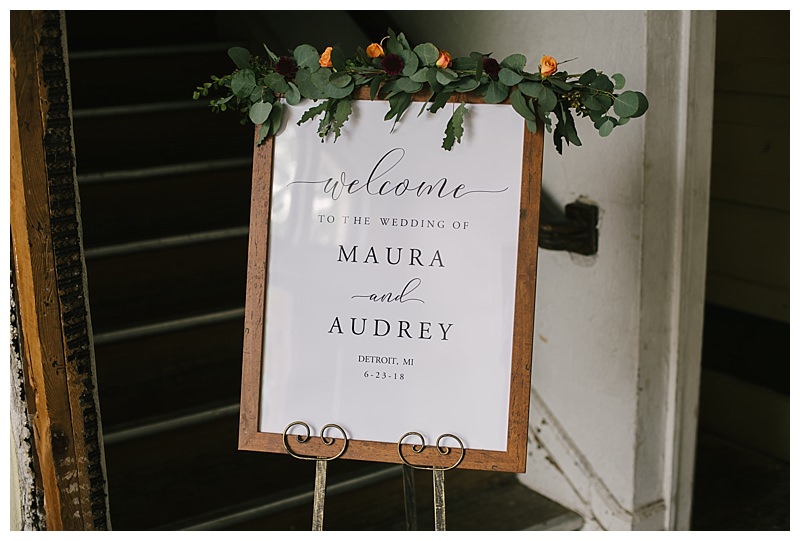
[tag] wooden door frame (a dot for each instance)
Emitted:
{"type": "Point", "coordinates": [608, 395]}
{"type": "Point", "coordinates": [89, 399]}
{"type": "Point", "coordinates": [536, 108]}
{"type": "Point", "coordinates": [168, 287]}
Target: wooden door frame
{"type": "Point", "coordinates": [50, 276]}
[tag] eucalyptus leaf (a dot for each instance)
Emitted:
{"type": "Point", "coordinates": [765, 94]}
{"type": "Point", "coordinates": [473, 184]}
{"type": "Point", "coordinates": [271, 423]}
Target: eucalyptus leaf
{"type": "Point", "coordinates": [305, 84]}
{"type": "Point", "coordinates": [478, 58]}
{"type": "Point", "coordinates": [443, 78]}
{"type": "Point", "coordinates": [497, 92]}
{"type": "Point", "coordinates": [243, 82]}
{"type": "Point", "coordinates": [602, 82]}
{"type": "Point", "coordinates": [321, 80]}
{"type": "Point", "coordinates": [340, 79]}
{"type": "Point", "coordinates": [509, 77]}
{"type": "Point", "coordinates": [627, 104]}
{"type": "Point", "coordinates": [407, 85]}
{"type": "Point", "coordinates": [587, 77]}
{"type": "Point", "coordinates": [240, 57]}
{"type": "Point", "coordinates": [643, 105]}
{"type": "Point", "coordinates": [619, 81]}
{"type": "Point", "coordinates": [560, 84]}
{"type": "Point", "coordinates": [531, 125]}
{"type": "Point", "coordinates": [530, 88]}
{"type": "Point", "coordinates": [393, 45]}
{"type": "Point", "coordinates": [259, 112]}
{"type": "Point", "coordinates": [306, 56]}
{"type": "Point", "coordinates": [427, 53]}
{"type": "Point", "coordinates": [276, 82]}
{"type": "Point", "coordinates": [515, 62]}
{"type": "Point", "coordinates": [275, 118]}
{"type": "Point", "coordinates": [606, 126]}
{"type": "Point", "coordinates": [547, 100]}
{"type": "Point", "coordinates": [467, 85]}
{"type": "Point", "coordinates": [591, 102]}
{"type": "Point", "coordinates": [338, 59]}
{"type": "Point", "coordinates": [520, 106]}
{"type": "Point", "coordinates": [293, 94]}
{"type": "Point", "coordinates": [374, 87]}
{"type": "Point", "coordinates": [622, 121]}
{"type": "Point", "coordinates": [410, 62]}
{"type": "Point", "coordinates": [435, 85]}
{"type": "Point", "coordinates": [338, 93]}
{"type": "Point", "coordinates": [421, 76]}
{"type": "Point", "coordinates": [462, 63]}
{"type": "Point", "coordinates": [263, 132]}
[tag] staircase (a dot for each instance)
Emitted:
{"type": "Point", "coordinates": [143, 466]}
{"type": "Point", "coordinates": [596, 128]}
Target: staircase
{"type": "Point", "coordinates": [164, 189]}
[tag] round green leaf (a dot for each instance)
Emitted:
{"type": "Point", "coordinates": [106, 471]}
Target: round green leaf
{"type": "Point", "coordinates": [623, 121]}
{"type": "Point", "coordinates": [496, 92]}
{"type": "Point", "coordinates": [306, 56]}
{"type": "Point", "coordinates": [407, 85]}
{"type": "Point", "coordinates": [588, 77]}
{"type": "Point", "coordinates": [547, 100]}
{"type": "Point", "coordinates": [467, 85]}
{"type": "Point", "coordinates": [515, 62]}
{"type": "Point", "coordinates": [509, 77]}
{"type": "Point", "coordinates": [410, 62]}
{"type": "Point", "coordinates": [643, 105]}
{"type": "Point", "coordinates": [420, 76]}
{"type": "Point", "coordinates": [292, 95]}
{"type": "Point", "coordinates": [243, 82]}
{"type": "Point", "coordinates": [276, 82]}
{"type": "Point", "coordinates": [240, 57]}
{"type": "Point", "coordinates": [340, 79]}
{"type": "Point", "coordinates": [306, 85]}
{"type": "Point", "coordinates": [591, 102]}
{"type": "Point", "coordinates": [531, 88]}
{"type": "Point", "coordinates": [619, 81]}
{"type": "Point", "coordinates": [627, 104]}
{"type": "Point", "coordinates": [444, 77]}
{"type": "Point", "coordinates": [606, 126]}
{"type": "Point", "coordinates": [260, 111]}
{"type": "Point", "coordinates": [427, 53]}
{"type": "Point", "coordinates": [336, 92]}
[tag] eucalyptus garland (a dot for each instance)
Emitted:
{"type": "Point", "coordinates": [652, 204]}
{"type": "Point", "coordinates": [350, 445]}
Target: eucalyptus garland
{"type": "Point", "coordinates": [261, 88]}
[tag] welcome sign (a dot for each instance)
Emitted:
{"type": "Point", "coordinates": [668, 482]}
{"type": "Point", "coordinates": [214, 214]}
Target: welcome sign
{"type": "Point", "coordinates": [391, 284]}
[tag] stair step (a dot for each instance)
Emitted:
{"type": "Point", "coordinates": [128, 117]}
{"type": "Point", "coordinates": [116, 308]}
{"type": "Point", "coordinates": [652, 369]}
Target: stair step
{"type": "Point", "coordinates": [184, 368]}
{"type": "Point", "coordinates": [133, 76]}
{"type": "Point", "coordinates": [150, 287]}
{"type": "Point", "coordinates": [175, 204]}
{"type": "Point", "coordinates": [153, 139]}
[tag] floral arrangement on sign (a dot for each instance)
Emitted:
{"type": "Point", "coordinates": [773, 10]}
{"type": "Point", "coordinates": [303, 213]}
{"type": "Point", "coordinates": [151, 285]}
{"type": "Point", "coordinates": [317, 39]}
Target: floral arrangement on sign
{"type": "Point", "coordinates": [395, 71]}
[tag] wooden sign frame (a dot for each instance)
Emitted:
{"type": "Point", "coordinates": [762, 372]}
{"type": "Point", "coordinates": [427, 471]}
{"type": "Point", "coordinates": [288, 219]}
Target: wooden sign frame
{"type": "Point", "coordinates": [514, 458]}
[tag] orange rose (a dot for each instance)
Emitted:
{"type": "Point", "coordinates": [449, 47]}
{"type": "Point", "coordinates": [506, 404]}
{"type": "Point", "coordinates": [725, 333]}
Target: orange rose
{"type": "Point", "coordinates": [444, 60]}
{"type": "Point", "coordinates": [548, 66]}
{"type": "Point", "coordinates": [325, 58]}
{"type": "Point", "coordinates": [375, 50]}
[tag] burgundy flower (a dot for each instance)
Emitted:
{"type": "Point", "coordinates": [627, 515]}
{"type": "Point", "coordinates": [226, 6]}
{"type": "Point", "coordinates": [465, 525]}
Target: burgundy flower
{"type": "Point", "coordinates": [392, 64]}
{"type": "Point", "coordinates": [491, 67]}
{"type": "Point", "coordinates": [286, 66]}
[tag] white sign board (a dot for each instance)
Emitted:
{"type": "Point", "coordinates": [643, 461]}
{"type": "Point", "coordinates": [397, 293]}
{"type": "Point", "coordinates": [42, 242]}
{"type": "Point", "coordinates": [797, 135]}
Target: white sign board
{"type": "Point", "coordinates": [392, 276]}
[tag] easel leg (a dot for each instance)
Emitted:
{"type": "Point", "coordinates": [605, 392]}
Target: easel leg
{"type": "Point", "coordinates": [320, 480]}
{"type": "Point", "coordinates": [438, 501]}
{"type": "Point", "coordinates": [410, 494]}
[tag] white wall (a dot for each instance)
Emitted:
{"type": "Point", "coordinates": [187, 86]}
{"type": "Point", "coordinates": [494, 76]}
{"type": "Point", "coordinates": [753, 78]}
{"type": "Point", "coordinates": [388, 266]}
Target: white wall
{"type": "Point", "coordinates": [616, 334]}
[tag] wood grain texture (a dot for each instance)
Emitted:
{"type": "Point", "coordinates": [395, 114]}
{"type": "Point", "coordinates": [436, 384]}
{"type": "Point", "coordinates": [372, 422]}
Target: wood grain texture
{"type": "Point", "coordinates": [48, 262]}
{"type": "Point", "coordinates": [514, 459]}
